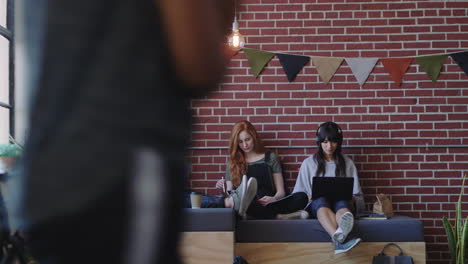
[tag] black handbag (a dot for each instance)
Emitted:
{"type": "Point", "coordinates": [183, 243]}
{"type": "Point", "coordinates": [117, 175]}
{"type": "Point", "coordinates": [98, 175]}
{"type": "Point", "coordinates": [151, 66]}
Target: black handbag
{"type": "Point", "coordinates": [384, 259]}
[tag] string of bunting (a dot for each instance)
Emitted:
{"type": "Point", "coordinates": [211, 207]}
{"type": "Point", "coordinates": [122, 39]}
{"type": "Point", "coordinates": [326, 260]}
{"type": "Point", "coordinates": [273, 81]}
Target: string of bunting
{"type": "Point", "coordinates": [360, 67]}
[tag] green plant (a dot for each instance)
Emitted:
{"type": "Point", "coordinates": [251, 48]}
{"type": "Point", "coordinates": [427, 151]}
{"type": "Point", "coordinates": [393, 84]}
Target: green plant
{"type": "Point", "coordinates": [10, 150]}
{"type": "Point", "coordinates": [457, 235]}
{"type": "Point", "coordinates": [8, 154]}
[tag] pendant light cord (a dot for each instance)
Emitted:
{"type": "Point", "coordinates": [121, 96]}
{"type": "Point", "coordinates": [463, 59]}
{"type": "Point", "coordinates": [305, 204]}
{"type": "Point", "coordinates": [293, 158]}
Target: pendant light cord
{"type": "Point", "coordinates": [235, 10]}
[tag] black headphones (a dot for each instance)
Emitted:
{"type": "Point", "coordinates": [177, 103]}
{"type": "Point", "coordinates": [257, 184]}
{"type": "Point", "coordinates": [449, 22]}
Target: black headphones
{"type": "Point", "coordinates": [334, 126]}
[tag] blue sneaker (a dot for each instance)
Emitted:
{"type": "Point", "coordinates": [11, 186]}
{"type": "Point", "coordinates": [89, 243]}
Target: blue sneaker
{"type": "Point", "coordinates": [344, 247]}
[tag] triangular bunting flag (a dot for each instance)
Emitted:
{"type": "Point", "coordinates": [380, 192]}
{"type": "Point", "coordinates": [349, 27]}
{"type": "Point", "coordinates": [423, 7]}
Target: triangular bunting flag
{"type": "Point", "coordinates": [292, 64]}
{"type": "Point", "coordinates": [462, 59]}
{"type": "Point", "coordinates": [326, 66]}
{"type": "Point", "coordinates": [396, 67]}
{"type": "Point", "coordinates": [257, 59]}
{"type": "Point", "coordinates": [361, 67]}
{"type": "Point", "coordinates": [432, 65]}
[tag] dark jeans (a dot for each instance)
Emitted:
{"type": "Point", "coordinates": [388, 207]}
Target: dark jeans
{"type": "Point", "coordinates": [208, 201]}
{"type": "Point", "coordinates": [320, 202]}
{"type": "Point", "coordinates": [289, 204]}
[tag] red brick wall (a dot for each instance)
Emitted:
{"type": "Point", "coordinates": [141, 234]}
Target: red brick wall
{"type": "Point", "coordinates": [386, 128]}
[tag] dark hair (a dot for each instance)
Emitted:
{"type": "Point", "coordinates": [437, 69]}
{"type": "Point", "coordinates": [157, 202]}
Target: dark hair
{"type": "Point", "coordinates": [332, 132]}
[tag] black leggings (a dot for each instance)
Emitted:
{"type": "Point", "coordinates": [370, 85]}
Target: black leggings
{"type": "Point", "coordinates": [289, 204]}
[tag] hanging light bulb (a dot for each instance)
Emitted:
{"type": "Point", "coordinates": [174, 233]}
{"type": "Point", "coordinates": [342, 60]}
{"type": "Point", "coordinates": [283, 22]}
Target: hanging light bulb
{"type": "Point", "coordinates": [236, 40]}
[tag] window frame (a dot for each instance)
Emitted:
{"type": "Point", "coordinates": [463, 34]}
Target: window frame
{"type": "Point", "coordinates": [7, 33]}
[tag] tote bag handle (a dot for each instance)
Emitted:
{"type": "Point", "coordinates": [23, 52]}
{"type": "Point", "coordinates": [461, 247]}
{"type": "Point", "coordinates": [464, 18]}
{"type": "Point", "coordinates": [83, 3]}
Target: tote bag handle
{"type": "Point", "coordinates": [391, 244]}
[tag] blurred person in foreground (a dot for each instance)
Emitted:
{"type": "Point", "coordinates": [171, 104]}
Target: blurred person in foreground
{"type": "Point", "coordinates": [104, 166]}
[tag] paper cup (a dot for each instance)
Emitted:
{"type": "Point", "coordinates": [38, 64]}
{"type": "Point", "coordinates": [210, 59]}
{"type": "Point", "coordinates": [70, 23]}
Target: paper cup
{"type": "Point", "coordinates": [195, 199]}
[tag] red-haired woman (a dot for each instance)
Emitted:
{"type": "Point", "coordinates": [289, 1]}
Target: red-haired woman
{"type": "Point", "coordinates": [248, 156]}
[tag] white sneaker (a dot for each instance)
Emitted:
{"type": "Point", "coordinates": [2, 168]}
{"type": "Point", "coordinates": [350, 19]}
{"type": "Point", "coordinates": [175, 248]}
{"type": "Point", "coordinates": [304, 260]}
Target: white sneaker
{"type": "Point", "coordinates": [242, 186]}
{"type": "Point", "coordinates": [247, 196]}
{"type": "Point", "coordinates": [301, 214]}
{"type": "Point", "coordinates": [345, 226]}
{"type": "Point", "coordinates": [338, 235]}
{"type": "Point", "coordinates": [237, 194]}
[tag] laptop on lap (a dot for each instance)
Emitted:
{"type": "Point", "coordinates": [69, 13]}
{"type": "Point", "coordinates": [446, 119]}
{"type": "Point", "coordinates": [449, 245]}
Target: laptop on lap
{"type": "Point", "coordinates": [333, 188]}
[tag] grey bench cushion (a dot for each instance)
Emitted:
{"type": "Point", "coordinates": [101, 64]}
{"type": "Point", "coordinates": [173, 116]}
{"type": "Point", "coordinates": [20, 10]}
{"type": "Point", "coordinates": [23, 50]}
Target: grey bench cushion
{"type": "Point", "coordinates": [208, 219]}
{"type": "Point", "coordinates": [397, 229]}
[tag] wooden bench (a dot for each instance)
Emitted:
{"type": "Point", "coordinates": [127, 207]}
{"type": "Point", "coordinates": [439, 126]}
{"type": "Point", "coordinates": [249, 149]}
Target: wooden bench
{"type": "Point", "coordinates": [291, 241]}
{"type": "Point", "coordinates": [208, 236]}
{"type": "Point", "coordinates": [305, 241]}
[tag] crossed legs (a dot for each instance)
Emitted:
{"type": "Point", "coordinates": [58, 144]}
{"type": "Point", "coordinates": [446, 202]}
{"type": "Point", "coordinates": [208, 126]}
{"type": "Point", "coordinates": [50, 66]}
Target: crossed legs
{"type": "Point", "coordinates": [338, 225]}
{"type": "Point", "coordinates": [329, 220]}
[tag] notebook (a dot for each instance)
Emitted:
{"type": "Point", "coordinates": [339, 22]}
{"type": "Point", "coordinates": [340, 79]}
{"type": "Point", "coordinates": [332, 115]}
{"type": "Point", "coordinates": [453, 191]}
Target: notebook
{"type": "Point", "coordinates": [372, 216]}
{"type": "Point", "coordinates": [280, 203]}
{"type": "Point", "coordinates": [333, 188]}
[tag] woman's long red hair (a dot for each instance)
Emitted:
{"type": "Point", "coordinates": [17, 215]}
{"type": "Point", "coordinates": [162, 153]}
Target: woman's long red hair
{"type": "Point", "coordinates": [237, 163]}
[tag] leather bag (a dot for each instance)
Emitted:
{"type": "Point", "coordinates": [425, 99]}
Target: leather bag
{"type": "Point", "coordinates": [384, 259]}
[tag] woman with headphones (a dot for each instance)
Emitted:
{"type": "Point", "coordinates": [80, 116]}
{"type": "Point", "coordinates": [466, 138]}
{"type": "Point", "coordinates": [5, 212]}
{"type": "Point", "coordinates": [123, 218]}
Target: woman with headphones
{"type": "Point", "coordinates": [336, 217]}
